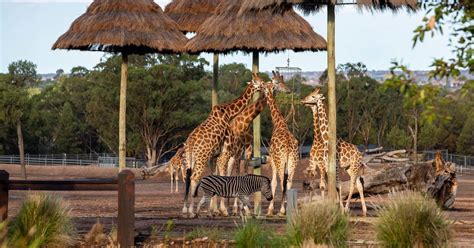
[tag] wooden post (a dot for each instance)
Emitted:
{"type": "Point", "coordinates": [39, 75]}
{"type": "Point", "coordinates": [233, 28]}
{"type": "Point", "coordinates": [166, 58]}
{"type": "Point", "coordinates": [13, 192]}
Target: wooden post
{"type": "Point", "coordinates": [4, 177]}
{"type": "Point", "coordinates": [215, 80]}
{"type": "Point", "coordinates": [256, 139]}
{"type": "Point", "coordinates": [126, 208]}
{"type": "Point", "coordinates": [331, 101]}
{"type": "Point", "coordinates": [291, 204]}
{"type": "Point", "coordinates": [123, 112]}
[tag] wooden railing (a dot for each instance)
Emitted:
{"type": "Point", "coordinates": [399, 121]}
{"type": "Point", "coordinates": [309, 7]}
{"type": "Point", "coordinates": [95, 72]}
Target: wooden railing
{"type": "Point", "coordinates": [125, 184]}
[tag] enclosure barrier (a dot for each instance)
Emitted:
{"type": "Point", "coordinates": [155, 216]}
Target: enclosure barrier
{"type": "Point", "coordinates": [125, 184]}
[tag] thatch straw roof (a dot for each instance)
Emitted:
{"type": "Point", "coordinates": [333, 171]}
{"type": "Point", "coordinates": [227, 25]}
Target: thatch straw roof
{"type": "Point", "coordinates": [131, 26]}
{"type": "Point", "coordinates": [263, 31]}
{"type": "Point", "coordinates": [315, 5]}
{"type": "Point", "coordinates": [190, 14]}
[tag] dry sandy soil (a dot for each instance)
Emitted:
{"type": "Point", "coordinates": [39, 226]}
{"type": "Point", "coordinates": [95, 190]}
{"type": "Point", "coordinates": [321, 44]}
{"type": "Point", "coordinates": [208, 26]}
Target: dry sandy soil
{"type": "Point", "coordinates": [155, 204]}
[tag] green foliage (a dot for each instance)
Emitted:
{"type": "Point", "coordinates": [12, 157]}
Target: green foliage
{"type": "Point", "coordinates": [397, 138]}
{"type": "Point", "coordinates": [411, 220]}
{"type": "Point", "coordinates": [456, 17]}
{"type": "Point", "coordinates": [42, 221]}
{"type": "Point", "coordinates": [465, 143]}
{"type": "Point", "coordinates": [321, 222]}
{"type": "Point", "coordinates": [67, 132]}
{"type": "Point", "coordinates": [253, 234]}
{"type": "Point", "coordinates": [23, 73]}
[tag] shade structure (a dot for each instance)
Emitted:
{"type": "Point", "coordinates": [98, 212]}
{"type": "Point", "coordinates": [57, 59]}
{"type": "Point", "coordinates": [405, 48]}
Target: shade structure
{"type": "Point", "coordinates": [190, 14]}
{"type": "Point", "coordinates": [126, 27]}
{"type": "Point", "coordinates": [131, 26]}
{"type": "Point", "coordinates": [263, 31]}
{"type": "Point", "coordinates": [313, 6]}
{"type": "Point", "coordinates": [267, 31]}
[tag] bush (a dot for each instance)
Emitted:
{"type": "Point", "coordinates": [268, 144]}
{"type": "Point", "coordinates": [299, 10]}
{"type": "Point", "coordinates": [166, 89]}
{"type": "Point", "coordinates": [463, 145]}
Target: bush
{"type": "Point", "coordinates": [411, 220]}
{"type": "Point", "coordinates": [253, 234]}
{"type": "Point", "coordinates": [42, 221]}
{"type": "Point", "coordinates": [320, 222]}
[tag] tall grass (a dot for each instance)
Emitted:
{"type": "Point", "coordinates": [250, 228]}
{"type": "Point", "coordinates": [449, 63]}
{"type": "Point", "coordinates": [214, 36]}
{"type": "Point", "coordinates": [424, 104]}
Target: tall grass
{"type": "Point", "coordinates": [42, 221]}
{"type": "Point", "coordinates": [320, 222]}
{"type": "Point", "coordinates": [253, 234]}
{"type": "Point", "coordinates": [411, 220]}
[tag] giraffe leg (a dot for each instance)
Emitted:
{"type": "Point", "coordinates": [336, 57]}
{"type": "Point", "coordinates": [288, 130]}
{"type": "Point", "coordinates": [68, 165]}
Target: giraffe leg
{"type": "Point", "coordinates": [274, 185]}
{"type": "Point", "coordinates": [235, 210]}
{"type": "Point", "coordinates": [360, 188]}
{"type": "Point", "coordinates": [351, 190]}
{"type": "Point", "coordinates": [192, 190]}
{"type": "Point", "coordinates": [172, 179]}
{"type": "Point", "coordinates": [176, 181]}
{"type": "Point", "coordinates": [283, 198]}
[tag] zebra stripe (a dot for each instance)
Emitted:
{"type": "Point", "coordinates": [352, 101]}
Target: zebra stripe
{"type": "Point", "coordinates": [235, 186]}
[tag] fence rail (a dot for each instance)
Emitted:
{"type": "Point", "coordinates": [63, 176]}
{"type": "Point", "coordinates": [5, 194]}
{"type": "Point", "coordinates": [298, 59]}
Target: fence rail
{"type": "Point", "coordinates": [125, 184]}
{"type": "Point", "coordinates": [462, 162]}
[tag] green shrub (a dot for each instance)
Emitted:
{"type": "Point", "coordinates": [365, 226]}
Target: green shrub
{"type": "Point", "coordinates": [411, 220]}
{"type": "Point", "coordinates": [320, 222]}
{"type": "Point", "coordinates": [42, 221]}
{"type": "Point", "coordinates": [252, 234]}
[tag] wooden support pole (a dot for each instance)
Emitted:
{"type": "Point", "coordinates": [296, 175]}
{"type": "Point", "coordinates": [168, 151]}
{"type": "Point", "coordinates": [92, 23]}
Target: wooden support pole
{"type": "Point", "coordinates": [4, 177]}
{"type": "Point", "coordinates": [256, 138]}
{"type": "Point", "coordinates": [331, 101]}
{"type": "Point", "coordinates": [291, 204]}
{"type": "Point", "coordinates": [215, 80]}
{"type": "Point", "coordinates": [126, 208]}
{"type": "Point", "coordinates": [123, 112]}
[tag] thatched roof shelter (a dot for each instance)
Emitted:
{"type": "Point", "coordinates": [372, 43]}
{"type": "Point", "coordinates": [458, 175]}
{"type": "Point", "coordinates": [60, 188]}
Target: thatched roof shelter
{"type": "Point", "coordinates": [263, 31]}
{"type": "Point", "coordinates": [131, 26]}
{"type": "Point", "coordinates": [315, 5]}
{"type": "Point", "coordinates": [190, 14]}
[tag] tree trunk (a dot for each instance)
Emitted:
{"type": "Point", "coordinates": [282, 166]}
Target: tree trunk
{"type": "Point", "coordinates": [256, 138]}
{"type": "Point", "coordinates": [151, 156]}
{"type": "Point", "coordinates": [215, 78]}
{"type": "Point", "coordinates": [21, 148]}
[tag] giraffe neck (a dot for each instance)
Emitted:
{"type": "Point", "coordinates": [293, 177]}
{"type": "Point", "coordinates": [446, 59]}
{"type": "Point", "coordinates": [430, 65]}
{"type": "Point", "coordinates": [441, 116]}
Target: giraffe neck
{"type": "Point", "coordinates": [317, 133]}
{"type": "Point", "coordinates": [242, 121]}
{"type": "Point", "coordinates": [277, 118]}
{"type": "Point", "coordinates": [235, 107]}
{"type": "Point", "coordinates": [323, 123]}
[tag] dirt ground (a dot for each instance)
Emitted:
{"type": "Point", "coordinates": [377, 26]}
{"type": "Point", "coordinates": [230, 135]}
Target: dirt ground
{"type": "Point", "coordinates": [155, 205]}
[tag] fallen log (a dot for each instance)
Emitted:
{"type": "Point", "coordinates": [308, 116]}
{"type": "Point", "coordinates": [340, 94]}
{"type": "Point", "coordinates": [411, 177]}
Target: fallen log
{"type": "Point", "coordinates": [390, 159]}
{"type": "Point", "coordinates": [148, 172]}
{"type": "Point", "coordinates": [395, 176]}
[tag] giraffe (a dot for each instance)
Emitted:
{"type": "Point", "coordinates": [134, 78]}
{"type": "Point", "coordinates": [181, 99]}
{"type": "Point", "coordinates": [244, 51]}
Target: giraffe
{"type": "Point", "coordinates": [348, 156]}
{"type": "Point", "coordinates": [283, 145]}
{"type": "Point", "coordinates": [176, 166]}
{"type": "Point", "coordinates": [237, 140]}
{"type": "Point", "coordinates": [207, 138]}
{"type": "Point", "coordinates": [317, 154]}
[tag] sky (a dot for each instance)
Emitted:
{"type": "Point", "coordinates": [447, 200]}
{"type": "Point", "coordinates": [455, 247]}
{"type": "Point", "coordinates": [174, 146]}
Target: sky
{"type": "Point", "coordinates": [28, 29]}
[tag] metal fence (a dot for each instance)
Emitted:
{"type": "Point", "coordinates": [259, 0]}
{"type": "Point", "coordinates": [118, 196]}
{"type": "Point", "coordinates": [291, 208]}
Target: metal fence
{"type": "Point", "coordinates": [462, 162]}
{"type": "Point", "coordinates": [100, 160]}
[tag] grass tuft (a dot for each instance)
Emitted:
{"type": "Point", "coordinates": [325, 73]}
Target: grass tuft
{"type": "Point", "coordinates": [321, 223]}
{"type": "Point", "coordinates": [410, 219]}
{"type": "Point", "coordinates": [43, 221]}
{"type": "Point", "coordinates": [252, 234]}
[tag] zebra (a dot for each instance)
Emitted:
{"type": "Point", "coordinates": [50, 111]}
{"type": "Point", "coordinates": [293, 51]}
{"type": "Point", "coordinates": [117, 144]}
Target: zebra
{"type": "Point", "coordinates": [234, 186]}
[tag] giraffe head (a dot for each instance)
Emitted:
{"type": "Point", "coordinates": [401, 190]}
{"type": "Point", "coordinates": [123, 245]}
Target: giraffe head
{"type": "Point", "coordinates": [276, 84]}
{"type": "Point", "coordinates": [313, 98]}
{"type": "Point", "coordinates": [257, 82]}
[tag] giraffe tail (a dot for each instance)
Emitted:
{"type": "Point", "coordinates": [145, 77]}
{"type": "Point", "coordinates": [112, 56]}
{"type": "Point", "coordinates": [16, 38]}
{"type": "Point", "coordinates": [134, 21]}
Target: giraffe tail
{"type": "Point", "coordinates": [188, 182]}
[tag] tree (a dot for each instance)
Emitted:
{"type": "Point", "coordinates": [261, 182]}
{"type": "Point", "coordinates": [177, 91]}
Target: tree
{"type": "Point", "coordinates": [22, 74]}
{"type": "Point", "coordinates": [67, 133]}
{"type": "Point", "coordinates": [465, 143]}
{"type": "Point", "coordinates": [459, 16]}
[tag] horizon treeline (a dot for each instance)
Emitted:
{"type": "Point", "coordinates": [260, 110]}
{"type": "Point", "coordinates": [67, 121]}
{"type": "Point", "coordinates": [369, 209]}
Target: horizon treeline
{"type": "Point", "coordinates": [169, 95]}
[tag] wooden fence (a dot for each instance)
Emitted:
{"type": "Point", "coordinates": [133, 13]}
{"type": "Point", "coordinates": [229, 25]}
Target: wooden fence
{"type": "Point", "coordinates": [125, 184]}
